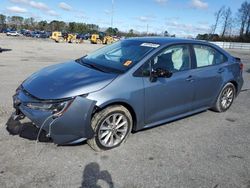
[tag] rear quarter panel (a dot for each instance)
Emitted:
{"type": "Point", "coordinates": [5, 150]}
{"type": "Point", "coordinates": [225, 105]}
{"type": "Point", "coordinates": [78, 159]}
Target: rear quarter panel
{"type": "Point", "coordinates": [232, 74]}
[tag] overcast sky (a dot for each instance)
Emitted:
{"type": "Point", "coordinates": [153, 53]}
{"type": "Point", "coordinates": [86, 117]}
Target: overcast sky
{"type": "Point", "coordinates": [180, 17]}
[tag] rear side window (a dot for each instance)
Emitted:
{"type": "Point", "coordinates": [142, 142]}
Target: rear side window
{"type": "Point", "coordinates": [206, 56]}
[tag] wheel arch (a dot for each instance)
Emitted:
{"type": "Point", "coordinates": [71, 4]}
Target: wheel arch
{"type": "Point", "coordinates": [222, 86]}
{"type": "Point", "coordinates": [235, 85]}
{"type": "Point", "coordinates": [124, 104]}
{"type": "Point", "coordinates": [232, 81]}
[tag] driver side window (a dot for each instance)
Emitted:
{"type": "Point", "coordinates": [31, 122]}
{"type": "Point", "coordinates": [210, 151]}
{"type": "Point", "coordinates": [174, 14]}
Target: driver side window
{"type": "Point", "coordinates": [174, 59]}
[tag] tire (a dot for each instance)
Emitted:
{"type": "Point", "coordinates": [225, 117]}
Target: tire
{"type": "Point", "coordinates": [224, 100]}
{"type": "Point", "coordinates": [60, 40]}
{"type": "Point", "coordinates": [107, 132]}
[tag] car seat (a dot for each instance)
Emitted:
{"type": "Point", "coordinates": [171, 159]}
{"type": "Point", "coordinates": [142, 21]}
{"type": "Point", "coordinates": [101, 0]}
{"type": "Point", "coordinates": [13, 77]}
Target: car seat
{"type": "Point", "coordinates": [165, 62]}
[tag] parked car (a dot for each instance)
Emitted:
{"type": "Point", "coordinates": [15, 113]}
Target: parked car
{"type": "Point", "coordinates": [40, 34]}
{"type": "Point", "coordinates": [83, 36]}
{"type": "Point", "coordinates": [28, 33]}
{"type": "Point", "coordinates": [132, 84]}
{"type": "Point", "coordinates": [36, 34]}
{"type": "Point", "coordinates": [12, 33]}
{"type": "Point", "coordinates": [23, 31]}
{"type": "Point", "coordinates": [45, 34]}
{"type": "Point", "coordinates": [5, 30]}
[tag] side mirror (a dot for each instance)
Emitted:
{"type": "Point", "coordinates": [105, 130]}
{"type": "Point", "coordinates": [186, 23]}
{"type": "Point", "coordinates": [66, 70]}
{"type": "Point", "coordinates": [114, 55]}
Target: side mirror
{"type": "Point", "coordinates": [163, 73]}
{"type": "Point", "coordinates": [159, 72]}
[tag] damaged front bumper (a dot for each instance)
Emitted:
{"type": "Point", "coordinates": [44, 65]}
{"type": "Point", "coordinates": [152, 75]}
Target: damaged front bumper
{"type": "Point", "coordinates": [66, 126]}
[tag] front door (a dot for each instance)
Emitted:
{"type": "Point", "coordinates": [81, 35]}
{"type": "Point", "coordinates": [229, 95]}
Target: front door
{"type": "Point", "coordinates": [169, 97]}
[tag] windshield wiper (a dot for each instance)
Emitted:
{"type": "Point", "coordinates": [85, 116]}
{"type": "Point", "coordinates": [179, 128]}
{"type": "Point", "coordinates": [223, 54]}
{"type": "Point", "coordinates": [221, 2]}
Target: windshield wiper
{"type": "Point", "coordinates": [90, 65]}
{"type": "Point", "coordinates": [98, 67]}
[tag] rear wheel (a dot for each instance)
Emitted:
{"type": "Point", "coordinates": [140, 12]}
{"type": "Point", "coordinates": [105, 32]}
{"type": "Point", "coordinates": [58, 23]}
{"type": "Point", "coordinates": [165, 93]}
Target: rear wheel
{"type": "Point", "coordinates": [112, 126]}
{"type": "Point", "coordinates": [225, 98]}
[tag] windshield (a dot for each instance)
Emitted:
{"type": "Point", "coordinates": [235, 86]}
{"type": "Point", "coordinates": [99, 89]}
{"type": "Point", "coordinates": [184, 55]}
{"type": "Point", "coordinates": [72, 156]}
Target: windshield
{"type": "Point", "coordinates": [118, 57]}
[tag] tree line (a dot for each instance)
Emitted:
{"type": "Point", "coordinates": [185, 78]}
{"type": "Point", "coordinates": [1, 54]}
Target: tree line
{"type": "Point", "coordinates": [232, 28]}
{"type": "Point", "coordinates": [19, 23]}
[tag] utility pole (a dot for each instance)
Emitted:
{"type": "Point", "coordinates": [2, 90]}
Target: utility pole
{"type": "Point", "coordinates": [112, 13]}
{"type": "Point", "coordinates": [147, 29]}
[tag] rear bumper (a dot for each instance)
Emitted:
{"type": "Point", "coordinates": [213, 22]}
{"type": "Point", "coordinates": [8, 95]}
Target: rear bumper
{"type": "Point", "coordinates": [72, 125]}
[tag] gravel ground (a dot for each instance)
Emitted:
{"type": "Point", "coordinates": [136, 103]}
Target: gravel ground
{"type": "Point", "coordinates": [205, 150]}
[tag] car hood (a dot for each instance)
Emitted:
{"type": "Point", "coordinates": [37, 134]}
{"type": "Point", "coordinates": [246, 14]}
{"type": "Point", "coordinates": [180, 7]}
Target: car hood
{"type": "Point", "coordinates": [66, 80]}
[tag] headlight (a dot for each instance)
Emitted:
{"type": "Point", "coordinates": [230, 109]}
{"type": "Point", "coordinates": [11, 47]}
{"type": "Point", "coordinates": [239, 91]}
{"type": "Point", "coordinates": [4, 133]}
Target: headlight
{"type": "Point", "coordinates": [39, 106]}
{"type": "Point", "coordinates": [55, 107]}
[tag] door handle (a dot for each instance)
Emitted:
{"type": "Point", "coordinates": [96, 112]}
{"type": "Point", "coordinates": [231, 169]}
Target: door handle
{"type": "Point", "coordinates": [221, 70]}
{"type": "Point", "coordinates": [190, 78]}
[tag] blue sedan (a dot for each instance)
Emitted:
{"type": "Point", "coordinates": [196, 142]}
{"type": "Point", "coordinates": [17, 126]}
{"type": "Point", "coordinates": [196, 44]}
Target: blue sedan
{"type": "Point", "coordinates": [130, 85]}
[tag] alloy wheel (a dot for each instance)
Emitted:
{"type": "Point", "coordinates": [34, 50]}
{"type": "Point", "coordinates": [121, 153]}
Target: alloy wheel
{"type": "Point", "coordinates": [227, 97]}
{"type": "Point", "coordinates": [113, 130]}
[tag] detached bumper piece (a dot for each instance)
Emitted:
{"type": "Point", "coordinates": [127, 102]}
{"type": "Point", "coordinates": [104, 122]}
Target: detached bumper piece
{"type": "Point", "coordinates": [71, 125]}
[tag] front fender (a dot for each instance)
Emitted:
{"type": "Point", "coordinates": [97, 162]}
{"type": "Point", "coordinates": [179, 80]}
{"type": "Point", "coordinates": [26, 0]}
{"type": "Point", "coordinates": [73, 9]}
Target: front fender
{"type": "Point", "coordinates": [75, 123]}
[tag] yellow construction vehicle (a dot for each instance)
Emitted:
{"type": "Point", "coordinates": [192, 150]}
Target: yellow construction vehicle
{"type": "Point", "coordinates": [101, 38]}
{"type": "Point", "coordinates": [70, 38]}
{"type": "Point", "coordinates": [58, 36]}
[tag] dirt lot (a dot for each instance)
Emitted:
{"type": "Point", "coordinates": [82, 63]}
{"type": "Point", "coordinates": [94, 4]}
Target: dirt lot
{"type": "Point", "coordinates": [205, 150]}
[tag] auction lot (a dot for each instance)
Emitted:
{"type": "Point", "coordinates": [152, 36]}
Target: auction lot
{"type": "Point", "coordinates": [205, 150]}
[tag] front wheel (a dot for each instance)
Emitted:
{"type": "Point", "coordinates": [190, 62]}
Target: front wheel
{"type": "Point", "coordinates": [112, 126]}
{"type": "Point", "coordinates": [225, 98]}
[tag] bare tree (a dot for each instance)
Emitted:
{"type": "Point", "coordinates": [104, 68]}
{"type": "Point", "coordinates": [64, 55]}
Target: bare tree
{"type": "Point", "coordinates": [227, 21]}
{"type": "Point", "coordinates": [15, 22]}
{"type": "Point", "coordinates": [248, 21]}
{"type": "Point", "coordinates": [2, 22]}
{"type": "Point", "coordinates": [217, 15]}
{"type": "Point", "coordinates": [243, 16]}
{"type": "Point", "coordinates": [29, 23]}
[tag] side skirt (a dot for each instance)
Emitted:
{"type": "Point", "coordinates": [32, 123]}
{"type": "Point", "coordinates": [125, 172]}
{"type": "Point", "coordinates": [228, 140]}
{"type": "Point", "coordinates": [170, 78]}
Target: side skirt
{"type": "Point", "coordinates": [175, 118]}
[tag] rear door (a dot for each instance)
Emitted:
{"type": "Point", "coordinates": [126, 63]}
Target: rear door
{"type": "Point", "coordinates": [208, 75]}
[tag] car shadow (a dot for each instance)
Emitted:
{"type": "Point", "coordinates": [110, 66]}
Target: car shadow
{"type": "Point", "coordinates": [92, 174]}
{"type": "Point", "coordinates": [25, 130]}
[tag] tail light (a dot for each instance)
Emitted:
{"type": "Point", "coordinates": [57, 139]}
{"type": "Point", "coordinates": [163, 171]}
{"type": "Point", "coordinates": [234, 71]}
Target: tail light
{"type": "Point", "coordinates": [237, 59]}
{"type": "Point", "coordinates": [241, 66]}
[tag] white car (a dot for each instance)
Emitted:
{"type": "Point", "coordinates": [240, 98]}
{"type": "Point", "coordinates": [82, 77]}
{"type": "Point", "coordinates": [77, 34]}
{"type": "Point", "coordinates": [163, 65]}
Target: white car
{"type": "Point", "coordinates": [12, 33]}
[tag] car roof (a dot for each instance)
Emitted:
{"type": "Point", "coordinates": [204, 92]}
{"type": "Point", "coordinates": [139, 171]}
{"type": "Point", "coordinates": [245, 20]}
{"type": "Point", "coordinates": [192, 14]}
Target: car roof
{"type": "Point", "coordinates": [172, 40]}
{"type": "Point", "coordinates": [165, 40]}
